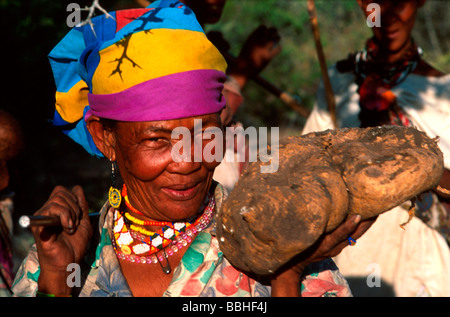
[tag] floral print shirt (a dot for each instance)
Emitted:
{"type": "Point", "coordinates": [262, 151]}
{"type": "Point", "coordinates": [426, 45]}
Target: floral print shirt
{"type": "Point", "coordinates": [6, 258]}
{"type": "Point", "coordinates": [203, 271]}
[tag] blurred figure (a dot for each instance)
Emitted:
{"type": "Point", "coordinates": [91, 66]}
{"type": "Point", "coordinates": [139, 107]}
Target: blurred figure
{"type": "Point", "coordinates": [259, 49]}
{"type": "Point", "coordinates": [10, 146]}
{"type": "Point", "coordinates": [389, 82]}
{"type": "Point", "coordinates": [206, 11]}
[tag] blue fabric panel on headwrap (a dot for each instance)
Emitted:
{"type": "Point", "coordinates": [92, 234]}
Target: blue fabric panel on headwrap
{"type": "Point", "coordinates": [165, 4]}
{"type": "Point", "coordinates": [78, 52]}
{"type": "Point", "coordinates": [158, 19]}
{"type": "Point", "coordinates": [58, 120]}
{"type": "Point", "coordinates": [64, 58]}
{"type": "Point", "coordinates": [81, 135]}
{"type": "Point", "coordinates": [105, 30]}
{"type": "Point", "coordinates": [104, 27]}
{"type": "Point", "coordinates": [64, 63]}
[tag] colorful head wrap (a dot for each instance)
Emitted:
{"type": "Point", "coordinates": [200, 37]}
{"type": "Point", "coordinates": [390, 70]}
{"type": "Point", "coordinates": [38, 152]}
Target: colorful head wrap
{"type": "Point", "coordinates": [144, 65]}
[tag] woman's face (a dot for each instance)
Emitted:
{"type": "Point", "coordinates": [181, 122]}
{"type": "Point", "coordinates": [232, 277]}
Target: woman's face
{"type": "Point", "coordinates": [397, 21]}
{"type": "Point", "coordinates": [157, 185]}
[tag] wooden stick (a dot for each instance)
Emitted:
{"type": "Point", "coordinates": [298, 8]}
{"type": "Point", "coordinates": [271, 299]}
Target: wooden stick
{"type": "Point", "coordinates": [47, 221]}
{"type": "Point", "coordinates": [323, 66]}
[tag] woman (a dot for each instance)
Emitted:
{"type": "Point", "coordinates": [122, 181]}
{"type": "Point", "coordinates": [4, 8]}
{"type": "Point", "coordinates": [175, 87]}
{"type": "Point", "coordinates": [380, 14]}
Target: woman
{"type": "Point", "coordinates": [390, 83]}
{"type": "Point", "coordinates": [150, 71]}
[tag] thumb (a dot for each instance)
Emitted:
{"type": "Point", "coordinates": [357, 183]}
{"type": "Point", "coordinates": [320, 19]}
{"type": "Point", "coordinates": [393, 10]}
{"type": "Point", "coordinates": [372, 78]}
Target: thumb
{"type": "Point", "coordinates": [81, 199]}
{"type": "Point", "coordinates": [84, 231]}
{"type": "Point", "coordinates": [82, 203]}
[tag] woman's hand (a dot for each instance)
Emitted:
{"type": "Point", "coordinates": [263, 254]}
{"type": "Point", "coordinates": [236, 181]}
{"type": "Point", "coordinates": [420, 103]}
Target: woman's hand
{"type": "Point", "coordinates": [59, 246]}
{"type": "Point", "coordinates": [287, 280]}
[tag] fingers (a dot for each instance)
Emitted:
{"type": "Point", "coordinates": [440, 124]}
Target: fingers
{"type": "Point", "coordinates": [353, 228]}
{"type": "Point", "coordinates": [362, 227]}
{"type": "Point", "coordinates": [67, 205]}
{"type": "Point", "coordinates": [347, 227]}
{"type": "Point", "coordinates": [81, 200]}
{"type": "Point", "coordinates": [337, 240]}
{"type": "Point", "coordinates": [64, 205]}
{"type": "Point", "coordinates": [58, 246]}
{"type": "Point", "coordinates": [84, 227]}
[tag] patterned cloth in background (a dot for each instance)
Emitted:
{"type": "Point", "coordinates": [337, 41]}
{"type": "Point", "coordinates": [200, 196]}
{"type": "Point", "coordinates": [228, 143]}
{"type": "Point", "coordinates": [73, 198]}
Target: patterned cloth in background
{"type": "Point", "coordinates": [6, 259]}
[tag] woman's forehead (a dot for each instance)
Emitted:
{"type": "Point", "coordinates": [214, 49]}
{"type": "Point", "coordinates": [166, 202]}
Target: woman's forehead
{"type": "Point", "coordinates": [169, 125]}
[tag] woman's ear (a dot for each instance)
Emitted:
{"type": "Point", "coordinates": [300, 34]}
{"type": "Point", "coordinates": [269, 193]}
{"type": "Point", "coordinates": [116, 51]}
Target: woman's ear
{"type": "Point", "coordinates": [103, 137]}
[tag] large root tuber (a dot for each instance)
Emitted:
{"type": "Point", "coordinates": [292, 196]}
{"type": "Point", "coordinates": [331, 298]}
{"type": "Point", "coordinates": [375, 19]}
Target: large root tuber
{"type": "Point", "coordinates": [322, 177]}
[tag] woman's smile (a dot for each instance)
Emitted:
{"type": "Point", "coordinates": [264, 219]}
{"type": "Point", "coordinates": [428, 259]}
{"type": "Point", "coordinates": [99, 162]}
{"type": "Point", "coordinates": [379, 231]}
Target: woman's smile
{"type": "Point", "coordinates": [182, 192]}
{"type": "Point", "coordinates": [159, 187]}
{"type": "Point", "coordinates": [391, 34]}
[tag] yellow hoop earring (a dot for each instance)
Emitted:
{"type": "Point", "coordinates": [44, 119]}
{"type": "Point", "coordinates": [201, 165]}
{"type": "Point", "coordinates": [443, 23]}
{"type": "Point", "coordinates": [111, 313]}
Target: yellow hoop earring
{"type": "Point", "coordinates": [115, 197]}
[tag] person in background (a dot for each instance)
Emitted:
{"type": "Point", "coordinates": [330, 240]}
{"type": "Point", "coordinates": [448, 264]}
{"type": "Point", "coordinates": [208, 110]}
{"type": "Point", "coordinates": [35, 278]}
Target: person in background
{"type": "Point", "coordinates": [11, 143]}
{"type": "Point", "coordinates": [389, 82]}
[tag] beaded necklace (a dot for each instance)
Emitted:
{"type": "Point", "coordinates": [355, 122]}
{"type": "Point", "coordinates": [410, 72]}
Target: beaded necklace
{"type": "Point", "coordinates": [136, 244]}
{"type": "Point", "coordinates": [375, 81]}
{"type": "Point", "coordinates": [133, 219]}
{"type": "Point", "coordinates": [390, 75]}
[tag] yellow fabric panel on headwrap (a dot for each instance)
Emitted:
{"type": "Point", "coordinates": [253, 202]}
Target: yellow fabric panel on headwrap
{"type": "Point", "coordinates": [146, 55]}
{"type": "Point", "coordinates": [70, 105]}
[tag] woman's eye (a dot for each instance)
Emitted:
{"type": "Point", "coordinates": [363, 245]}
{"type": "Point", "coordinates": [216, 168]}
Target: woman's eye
{"type": "Point", "coordinates": [201, 138]}
{"type": "Point", "coordinates": [198, 137]}
{"type": "Point", "coordinates": [156, 142]}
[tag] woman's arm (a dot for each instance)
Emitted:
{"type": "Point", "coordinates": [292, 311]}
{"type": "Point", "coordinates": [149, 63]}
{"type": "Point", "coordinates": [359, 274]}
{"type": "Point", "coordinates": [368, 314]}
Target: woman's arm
{"type": "Point", "coordinates": [57, 247]}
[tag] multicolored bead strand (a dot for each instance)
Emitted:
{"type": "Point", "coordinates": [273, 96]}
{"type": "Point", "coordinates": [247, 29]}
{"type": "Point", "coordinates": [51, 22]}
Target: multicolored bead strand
{"type": "Point", "coordinates": [145, 222]}
{"type": "Point", "coordinates": [137, 246]}
{"type": "Point", "coordinates": [136, 220]}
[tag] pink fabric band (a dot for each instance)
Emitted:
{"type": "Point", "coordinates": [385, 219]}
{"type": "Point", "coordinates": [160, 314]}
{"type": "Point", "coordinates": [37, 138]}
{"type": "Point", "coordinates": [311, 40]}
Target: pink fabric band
{"type": "Point", "coordinates": [181, 95]}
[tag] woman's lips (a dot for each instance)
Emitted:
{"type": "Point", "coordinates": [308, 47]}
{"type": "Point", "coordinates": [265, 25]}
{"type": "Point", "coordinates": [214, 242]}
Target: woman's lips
{"type": "Point", "coordinates": [391, 34]}
{"type": "Point", "coordinates": [182, 191]}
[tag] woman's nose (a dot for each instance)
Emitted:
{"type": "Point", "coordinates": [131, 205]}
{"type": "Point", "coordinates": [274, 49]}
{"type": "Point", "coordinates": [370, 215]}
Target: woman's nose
{"type": "Point", "coordinates": [388, 13]}
{"type": "Point", "coordinates": [184, 167]}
